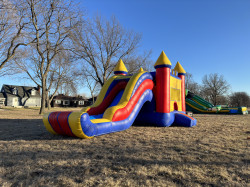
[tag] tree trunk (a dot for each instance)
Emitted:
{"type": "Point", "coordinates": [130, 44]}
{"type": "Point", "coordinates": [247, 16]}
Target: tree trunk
{"type": "Point", "coordinates": [43, 98]}
{"type": "Point", "coordinates": [104, 79]}
{"type": "Point", "coordinates": [215, 100]}
{"type": "Point", "coordinates": [48, 102]}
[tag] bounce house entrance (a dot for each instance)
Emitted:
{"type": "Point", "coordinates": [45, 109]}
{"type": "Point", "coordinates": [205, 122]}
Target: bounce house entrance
{"type": "Point", "coordinates": [175, 106]}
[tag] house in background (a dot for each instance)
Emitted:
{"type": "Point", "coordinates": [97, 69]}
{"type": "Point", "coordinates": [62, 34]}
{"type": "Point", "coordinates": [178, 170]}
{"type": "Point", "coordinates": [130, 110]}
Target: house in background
{"type": "Point", "coordinates": [2, 100]}
{"type": "Point", "coordinates": [21, 96]}
{"type": "Point", "coordinates": [90, 100]}
{"type": "Point", "coordinates": [68, 101]}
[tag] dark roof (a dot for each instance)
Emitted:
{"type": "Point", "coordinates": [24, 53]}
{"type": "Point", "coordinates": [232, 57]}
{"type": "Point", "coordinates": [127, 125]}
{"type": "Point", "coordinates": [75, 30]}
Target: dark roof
{"type": "Point", "coordinates": [65, 97]}
{"type": "Point", "coordinates": [22, 91]}
{"type": "Point", "coordinates": [1, 95]}
{"type": "Point", "coordinates": [91, 99]}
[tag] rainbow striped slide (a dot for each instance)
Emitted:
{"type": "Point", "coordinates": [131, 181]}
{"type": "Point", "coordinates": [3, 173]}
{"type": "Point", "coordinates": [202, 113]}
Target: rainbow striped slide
{"type": "Point", "coordinates": [116, 108]}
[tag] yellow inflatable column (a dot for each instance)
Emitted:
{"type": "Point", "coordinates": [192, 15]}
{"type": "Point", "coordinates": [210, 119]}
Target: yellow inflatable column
{"type": "Point", "coordinates": [75, 124]}
{"type": "Point", "coordinates": [181, 74]}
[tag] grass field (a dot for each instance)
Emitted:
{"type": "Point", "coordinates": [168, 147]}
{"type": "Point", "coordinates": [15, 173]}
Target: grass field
{"type": "Point", "coordinates": [214, 153]}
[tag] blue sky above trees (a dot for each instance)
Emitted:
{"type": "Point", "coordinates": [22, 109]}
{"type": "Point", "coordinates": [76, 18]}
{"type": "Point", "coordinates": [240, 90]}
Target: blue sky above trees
{"type": "Point", "coordinates": [205, 36]}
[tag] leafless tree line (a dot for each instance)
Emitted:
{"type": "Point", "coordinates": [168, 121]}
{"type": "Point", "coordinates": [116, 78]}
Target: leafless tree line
{"type": "Point", "coordinates": [56, 46]}
{"type": "Point", "coordinates": [215, 89]}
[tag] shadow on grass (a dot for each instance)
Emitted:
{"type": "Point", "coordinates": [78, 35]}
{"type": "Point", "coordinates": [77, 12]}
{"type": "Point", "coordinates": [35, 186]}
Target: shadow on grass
{"type": "Point", "coordinates": [33, 129]}
{"type": "Point", "coordinates": [26, 129]}
{"type": "Point", "coordinates": [30, 129]}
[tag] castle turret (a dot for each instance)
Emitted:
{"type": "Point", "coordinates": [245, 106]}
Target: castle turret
{"type": "Point", "coordinates": [120, 68]}
{"type": "Point", "coordinates": [163, 67]}
{"type": "Point", "coordinates": [181, 74]}
{"type": "Point", "coordinates": [141, 70]}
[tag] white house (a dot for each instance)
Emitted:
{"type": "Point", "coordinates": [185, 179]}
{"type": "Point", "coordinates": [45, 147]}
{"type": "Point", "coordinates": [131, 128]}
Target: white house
{"type": "Point", "coordinates": [21, 95]}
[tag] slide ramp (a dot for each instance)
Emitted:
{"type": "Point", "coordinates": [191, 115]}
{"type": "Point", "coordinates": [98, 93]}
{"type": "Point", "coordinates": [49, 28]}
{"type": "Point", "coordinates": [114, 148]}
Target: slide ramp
{"type": "Point", "coordinates": [116, 108]}
{"type": "Point", "coordinates": [197, 105]}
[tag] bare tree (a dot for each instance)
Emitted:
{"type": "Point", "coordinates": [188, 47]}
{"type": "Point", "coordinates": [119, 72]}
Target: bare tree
{"type": "Point", "coordinates": [51, 22]}
{"type": "Point", "coordinates": [222, 100]}
{"type": "Point", "coordinates": [13, 22]}
{"type": "Point", "coordinates": [133, 62]}
{"type": "Point", "coordinates": [191, 85]}
{"type": "Point", "coordinates": [70, 79]}
{"type": "Point", "coordinates": [100, 44]}
{"type": "Point", "coordinates": [188, 79]}
{"type": "Point", "coordinates": [238, 99]}
{"type": "Point", "coordinates": [92, 85]}
{"type": "Point", "coordinates": [214, 85]}
{"type": "Point", "coordinates": [68, 88]}
{"type": "Point", "coordinates": [62, 74]}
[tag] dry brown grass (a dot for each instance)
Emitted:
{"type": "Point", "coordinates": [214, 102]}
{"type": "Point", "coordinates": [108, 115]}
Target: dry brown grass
{"type": "Point", "coordinates": [214, 153]}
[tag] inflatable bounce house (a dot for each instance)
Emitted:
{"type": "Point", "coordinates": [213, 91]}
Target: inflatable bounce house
{"type": "Point", "coordinates": [154, 98]}
{"type": "Point", "coordinates": [198, 105]}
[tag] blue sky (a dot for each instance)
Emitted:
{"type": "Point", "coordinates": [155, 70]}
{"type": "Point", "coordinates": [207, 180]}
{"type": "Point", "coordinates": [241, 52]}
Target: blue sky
{"type": "Point", "coordinates": [204, 36]}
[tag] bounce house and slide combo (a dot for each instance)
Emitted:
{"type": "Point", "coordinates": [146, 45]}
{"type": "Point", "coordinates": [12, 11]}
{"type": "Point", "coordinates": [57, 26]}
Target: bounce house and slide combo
{"type": "Point", "coordinates": [198, 105]}
{"type": "Point", "coordinates": [148, 98]}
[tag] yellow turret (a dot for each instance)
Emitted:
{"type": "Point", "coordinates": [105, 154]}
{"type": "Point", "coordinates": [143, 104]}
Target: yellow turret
{"type": "Point", "coordinates": [120, 68]}
{"type": "Point", "coordinates": [162, 61]}
{"type": "Point", "coordinates": [179, 68]}
{"type": "Point", "coordinates": [141, 70]}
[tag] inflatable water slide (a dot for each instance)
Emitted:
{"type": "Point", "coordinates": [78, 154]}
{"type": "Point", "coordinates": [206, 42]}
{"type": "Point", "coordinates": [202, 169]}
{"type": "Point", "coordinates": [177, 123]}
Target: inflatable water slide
{"type": "Point", "coordinates": [198, 105]}
{"type": "Point", "coordinates": [155, 98]}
